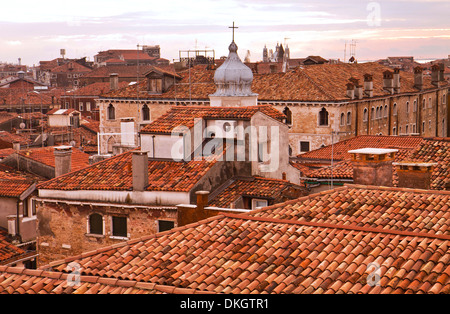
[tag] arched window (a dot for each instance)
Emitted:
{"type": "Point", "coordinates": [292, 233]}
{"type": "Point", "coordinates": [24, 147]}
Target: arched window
{"type": "Point", "coordinates": [372, 113]}
{"type": "Point", "coordinates": [365, 114]}
{"type": "Point", "coordinates": [145, 113]}
{"type": "Point", "coordinates": [349, 118]}
{"type": "Point", "coordinates": [342, 119]}
{"type": "Point", "coordinates": [395, 109]}
{"type": "Point", "coordinates": [95, 224]}
{"type": "Point", "coordinates": [385, 111]}
{"type": "Point", "coordinates": [288, 113]}
{"type": "Point", "coordinates": [407, 107]}
{"type": "Point", "coordinates": [111, 112]}
{"type": "Point", "coordinates": [424, 104]}
{"type": "Point", "coordinates": [323, 117]}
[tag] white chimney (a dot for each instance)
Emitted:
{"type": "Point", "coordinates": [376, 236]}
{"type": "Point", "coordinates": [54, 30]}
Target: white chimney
{"type": "Point", "coordinates": [63, 160]}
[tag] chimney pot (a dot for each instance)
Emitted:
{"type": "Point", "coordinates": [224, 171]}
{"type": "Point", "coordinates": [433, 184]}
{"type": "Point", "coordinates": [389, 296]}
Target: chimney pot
{"type": "Point", "coordinates": [139, 170]}
{"type": "Point", "coordinates": [63, 160]}
{"type": "Point", "coordinates": [202, 199]}
{"type": "Point", "coordinates": [418, 77]}
{"type": "Point", "coordinates": [414, 175]}
{"type": "Point", "coordinates": [388, 81]}
{"type": "Point", "coordinates": [368, 85]}
{"type": "Point", "coordinates": [114, 81]}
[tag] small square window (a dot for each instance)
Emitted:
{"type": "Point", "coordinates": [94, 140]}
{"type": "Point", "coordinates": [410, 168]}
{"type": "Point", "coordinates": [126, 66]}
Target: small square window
{"type": "Point", "coordinates": [304, 146]}
{"type": "Point", "coordinates": [165, 225]}
{"type": "Point", "coordinates": [259, 203]}
{"type": "Point", "coordinates": [119, 226]}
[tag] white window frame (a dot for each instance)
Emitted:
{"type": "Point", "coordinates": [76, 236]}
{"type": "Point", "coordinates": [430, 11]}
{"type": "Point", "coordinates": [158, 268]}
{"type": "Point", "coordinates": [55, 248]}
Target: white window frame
{"type": "Point", "coordinates": [256, 200]}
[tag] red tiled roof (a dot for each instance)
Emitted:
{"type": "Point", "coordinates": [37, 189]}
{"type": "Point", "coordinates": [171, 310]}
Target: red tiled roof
{"type": "Point", "coordinates": [322, 82]}
{"type": "Point", "coordinates": [295, 248]}
{"type": "Point", "coordinates": [13, 138]}
{"type": "Point", "coordinates": [94, 89]}
{"type": "Point", "coordinates": [45, 155]}
{"type": "Point", "coordinates": [340, 150]}
{"type": "Point", "coordinates": [115, 174]}
{"type": "Point", "coordinates": [71, 67]}
{"type": "Point", "coordinates": [8, 252]}
{"type": "Point", "coordinates": [15, 280]}
{"type": "Point", "coordinates": [61, 111]}
{"type": "Point", "coordinates": [185, 115]}
{"type": "Point", "coordinates": [275, 190]}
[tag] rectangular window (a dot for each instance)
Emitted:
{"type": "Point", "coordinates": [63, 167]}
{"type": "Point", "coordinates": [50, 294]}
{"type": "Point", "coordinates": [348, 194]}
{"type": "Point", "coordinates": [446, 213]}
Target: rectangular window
{"type": "Point", "coordinates": [25, 208]}
{"type": "Point", "coordinates": [81, 106]}
{"type": "Point", "coordinates": [165, 225]}
{"type": "Point", "coordinates": [259, 203]}
{"type": "Point", "coordinates": [119, 227]}
{"type": "Point", "coordinates": [304, 146]}
{"type": "Point", "coordinates": [88, 106]}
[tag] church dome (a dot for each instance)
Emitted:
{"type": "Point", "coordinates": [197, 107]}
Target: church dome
{"type": "Point", "coordinates": [233, 78]}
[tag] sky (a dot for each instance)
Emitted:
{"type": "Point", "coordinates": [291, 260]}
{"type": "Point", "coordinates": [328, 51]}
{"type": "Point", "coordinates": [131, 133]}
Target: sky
{"type": "Point", "coordinates": [36, 30]}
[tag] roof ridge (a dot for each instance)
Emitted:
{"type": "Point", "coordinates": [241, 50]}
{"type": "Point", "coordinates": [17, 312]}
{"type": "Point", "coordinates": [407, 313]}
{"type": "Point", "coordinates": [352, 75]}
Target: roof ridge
{"type": "Point", "coordinates": [316, 85]}
{"type": "Point", "coordinates": [396, 189]}
{"type": "Point", "coordinates": [338, 226]}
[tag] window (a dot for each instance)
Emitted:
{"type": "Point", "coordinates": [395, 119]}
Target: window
{"type": "Point", "coordinates": [288, 113]}
{"type": "Point", "coordinates": [349, 118]}
{"type": "Point", "coordinates": [424, 104]}
{"type": "Point", "coordinates": [444, 100]}
{"type": "Point", "coordinates": [423, 127]}
{"type": "Point", "coordinates": [365, 114]}
{"type": "Point", "coordinates": [165, 225]}
{"type": "Point", "coordinates": [429, 103]}
{"type": "Point", "coordinates": [342, 119]}
{"type": "Point", "coordinates": [372, 114]}
{"type": "Point", "coordinates": [407, 107]}
{"type": "Point", "coordinates": [385, 111]}
{"type": "Point", "coordinates": [81, 106]}
{"type": "Point", "coordinates": [258, 203]}
{"type": "Point", "coordinates": [323, 117]}
{"type": "Point", "coordinates": [33, 207]}
{"type": "Point", "coordinates": [395, 109]}
{"type": "Point", "coordinates": [145, 113]}
{"type": "Point", "coordinates": [119, 227]}
{"type": "Point", "coordinates": [25, 208]}
{"type": "Point", "coordinates": [414, 128]}
{"type": "Point", "coordinates": [111, 112]}
{"type": "Point", "coordinates": [406, 129]}
{"type": "Point", "coordinates": [415, 106]}
{"type": "Point", "coordinates": [304, 146]}
{"type": "Point", "coordinates": [378, 113]}
{"type": "Point", "coordinates": [88, 106]}
{"type": "Point", "coordinates": [394, 131]}
{"type": "Point", "coordinates": [96, 224]}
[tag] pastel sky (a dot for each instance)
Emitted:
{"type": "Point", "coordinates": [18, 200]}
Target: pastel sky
{"type": "Point", "coordinates": [37, 30]}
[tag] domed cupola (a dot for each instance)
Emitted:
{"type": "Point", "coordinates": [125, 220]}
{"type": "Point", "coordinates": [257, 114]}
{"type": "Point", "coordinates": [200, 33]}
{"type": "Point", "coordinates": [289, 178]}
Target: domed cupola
{"type": "Point", "coordinates": [233, 78]}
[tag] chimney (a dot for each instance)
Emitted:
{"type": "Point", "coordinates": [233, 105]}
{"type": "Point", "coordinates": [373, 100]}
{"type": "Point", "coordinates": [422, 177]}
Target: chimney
{"type": "Point", "coordinates": [140, 170]}
{"type": "Point", "coordinates": [202, 200]}
{"type": "Point", "coordinates": [16, 146]}
{"type": "Point", "coordinates": [373, 166]}
{"type": "Point", "coordinates": [437, 74]}
{"type": "Point", "coordinates": [358, 88]}
{"type": "Point", "coordinates": [63, 160]}
{"type": "Point", "coordinates": [441, 72]}
{"type": "Point", "coordinates": [418, 77]}
{"type": "Point", "coordinates": [114, 81]}
{"type": "Point", "coordinates": [414, 175]}
{"type": "Point", "coordinates": [351, 90]}
{"type": "Point", "coordinates": [368, 85]}
{"type": "Point", "coordinates": [388, 81]}
{"type": "Point", "coordinates": [396, 81]}
{"type": "Point", "coordinates": [21, 74]}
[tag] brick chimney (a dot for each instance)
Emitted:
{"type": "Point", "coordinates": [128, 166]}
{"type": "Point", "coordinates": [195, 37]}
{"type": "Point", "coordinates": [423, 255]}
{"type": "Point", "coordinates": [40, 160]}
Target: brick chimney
{"type": "Point", "coordinates": [418, 77]}
{"type": "Point", "coordinates": [114, 81]}
{"type": "Point", "coordinates": [63, 160]}
{"type": "Point", "coordinates": [437, 74]}
{"type": "Point", "coordinates": [373, 166]}
{"type": "Point", "coordinates": [388, 81]}
{"type": "Point", "coordinates": [139, 170]}
{"type": "Point", "coordinates": [358, 88]}
{"type": "Point", "coordinates": [368, 85]}
{"type": "Point", "coordinates": [414, 175]}
{"type": "Point", "coordinates": [202, 200]}
{"type": "Point", "coordinates": [396, 81]}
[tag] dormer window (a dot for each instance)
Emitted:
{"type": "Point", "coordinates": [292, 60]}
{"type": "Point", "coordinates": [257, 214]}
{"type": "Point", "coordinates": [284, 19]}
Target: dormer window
{"type": "Point", "coordinates": [155, 85]}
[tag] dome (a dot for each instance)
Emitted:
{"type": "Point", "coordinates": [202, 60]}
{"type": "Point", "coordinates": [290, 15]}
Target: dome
{"type": "Point", "coordinates": [233, 78]}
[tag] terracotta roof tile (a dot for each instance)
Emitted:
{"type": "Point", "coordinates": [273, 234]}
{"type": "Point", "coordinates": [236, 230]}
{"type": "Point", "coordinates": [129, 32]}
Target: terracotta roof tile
{"type": "Point", "coordinates": [115, 174]}
{"type": "Point", "coordinates": [185, 116]}
{"type": "Point", "coordinates": [306, 269]}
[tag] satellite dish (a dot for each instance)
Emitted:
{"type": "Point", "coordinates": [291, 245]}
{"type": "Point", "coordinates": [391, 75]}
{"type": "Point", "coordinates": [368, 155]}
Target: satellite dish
{"type": "Point", "coordinates": [22, 125]}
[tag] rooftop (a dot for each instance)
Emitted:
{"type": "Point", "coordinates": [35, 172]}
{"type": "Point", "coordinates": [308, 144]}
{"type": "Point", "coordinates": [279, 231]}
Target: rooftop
{"type": "Point", "coordinates": [296, 247]}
